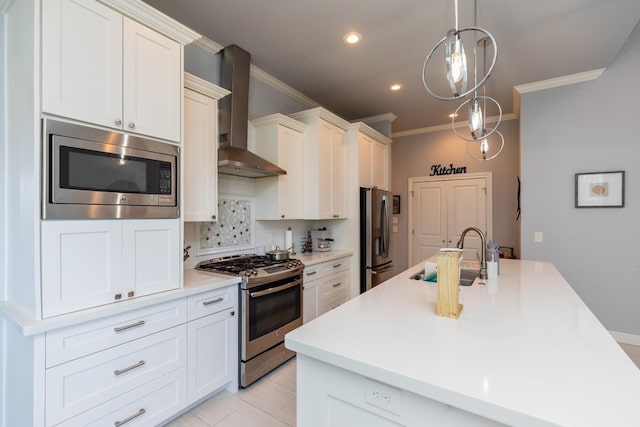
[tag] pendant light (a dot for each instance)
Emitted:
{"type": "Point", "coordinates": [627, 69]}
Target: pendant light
{"type": "Point", "coordinates": [456, 60]}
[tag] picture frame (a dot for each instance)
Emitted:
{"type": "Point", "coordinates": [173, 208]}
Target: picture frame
{"type": "Point", "coordinates": [599, 189]}
{"type": "Point", "coordinates": [396, 204]}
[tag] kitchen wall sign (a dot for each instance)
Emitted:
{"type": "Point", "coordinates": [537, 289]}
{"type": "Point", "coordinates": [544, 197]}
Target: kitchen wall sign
{"type": "Point", "coordinates": [600, 189]}
{"type": "Point", "coordinates": [232, 231]}
{"type": "Point", "coordinates": [437, 170]}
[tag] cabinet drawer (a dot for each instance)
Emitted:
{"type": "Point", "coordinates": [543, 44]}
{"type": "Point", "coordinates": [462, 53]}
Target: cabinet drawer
{"type": "Point", "coordinates": [333, 292]}
{"type": "Point", "coordinates": [148, 405]}
{"type": "Point", "coordinates": [210, 302]}
{"type": "Point", "coordinates": [86, 338]}
{"type": "Point", "coordinates": [85, 383]}
{"type": "Point", "coordinates": [324, 269]}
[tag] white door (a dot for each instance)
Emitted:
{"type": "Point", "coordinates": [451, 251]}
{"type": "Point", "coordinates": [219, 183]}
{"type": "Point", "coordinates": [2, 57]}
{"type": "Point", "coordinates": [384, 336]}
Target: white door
{"type": "Point", "coordinates": [441, 209]}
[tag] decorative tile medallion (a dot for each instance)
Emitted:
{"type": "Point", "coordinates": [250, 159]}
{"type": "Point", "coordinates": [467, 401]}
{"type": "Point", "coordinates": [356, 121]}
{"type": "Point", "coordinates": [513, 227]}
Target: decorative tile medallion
{"type": "Point", "coordinates": [233, 228]}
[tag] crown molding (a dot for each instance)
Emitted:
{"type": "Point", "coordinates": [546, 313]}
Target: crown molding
{"type": "Point", "coordinates": [282, 87]}
{"type": "Point", "coordinates": [386, 117]}
{"type": "Point", "coordinates": [553, 83]}
{"type": "Point", "coordinates": [447, 126]}
{"type": "Point", "coordinates": [279, 119]}
{"type": "Point", "coordinates": [153, 18]}
{"type": "Point", "coordinates": [364, 128]}
{"type": "Point", "coordinates": [321, 113]}
{"type": "Point", "coordinates": [208, 45]}
{"type": "Point", "coordinates": [204, 87]}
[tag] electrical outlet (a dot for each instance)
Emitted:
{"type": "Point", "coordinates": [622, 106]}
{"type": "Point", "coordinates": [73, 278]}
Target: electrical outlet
{"type": "Point", "coordinates": [537, 237]}
{"type": "Point", "coordinates": [383, 396]}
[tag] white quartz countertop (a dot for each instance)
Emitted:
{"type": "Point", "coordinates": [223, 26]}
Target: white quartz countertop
{"type": "Point", "coordinates": [312, 258]}
{"type": "Point", "coordinates": [525, 351]}
{"type": "Point", "coordinates": [195, 282]}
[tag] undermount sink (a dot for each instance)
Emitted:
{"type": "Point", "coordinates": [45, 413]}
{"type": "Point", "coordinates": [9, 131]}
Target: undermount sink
{"type": "Point", "coordinates": [467, 276]}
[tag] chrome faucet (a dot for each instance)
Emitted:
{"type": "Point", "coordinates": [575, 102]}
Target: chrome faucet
{"type": "Point", "coordinates": [483, 256]}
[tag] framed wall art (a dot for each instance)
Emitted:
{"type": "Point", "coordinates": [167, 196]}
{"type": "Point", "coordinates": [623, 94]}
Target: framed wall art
{"type": "Point", "coordinates": [600, 189]}
{"type": "Point", "coordinates": [396, 205]}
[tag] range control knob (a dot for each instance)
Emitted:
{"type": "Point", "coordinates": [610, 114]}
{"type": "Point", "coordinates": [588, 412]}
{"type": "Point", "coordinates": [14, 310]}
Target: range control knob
{"type": "Point", "coordinates": [247, 273]}
{"type": "Point", "coordinates": [254, 272]}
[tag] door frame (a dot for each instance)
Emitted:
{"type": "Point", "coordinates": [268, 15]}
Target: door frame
{"type": "Point", "coordinates": [488, 176]}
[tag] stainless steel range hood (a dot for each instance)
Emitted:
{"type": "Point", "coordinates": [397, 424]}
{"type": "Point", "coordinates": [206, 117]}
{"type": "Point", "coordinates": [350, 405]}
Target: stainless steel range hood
{"type": "Point", "coordinates": [233, 156]}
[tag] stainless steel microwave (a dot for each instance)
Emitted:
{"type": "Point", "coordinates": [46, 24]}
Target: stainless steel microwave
{"type": "Point", "coordinates": [95, 173]}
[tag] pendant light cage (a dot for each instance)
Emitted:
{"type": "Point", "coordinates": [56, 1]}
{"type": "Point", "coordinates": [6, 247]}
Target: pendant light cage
{"type": "Point", "coordinates": [484, 149]}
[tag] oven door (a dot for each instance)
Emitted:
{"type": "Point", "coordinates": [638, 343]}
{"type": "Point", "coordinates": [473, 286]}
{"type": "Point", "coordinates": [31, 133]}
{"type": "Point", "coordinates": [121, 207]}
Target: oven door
{"type": "Point", "coordinates": [269, 312]}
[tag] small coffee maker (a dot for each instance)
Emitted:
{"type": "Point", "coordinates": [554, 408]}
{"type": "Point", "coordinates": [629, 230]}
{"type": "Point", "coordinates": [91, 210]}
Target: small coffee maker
{"type": "Point", "coordinates": [322, 240]}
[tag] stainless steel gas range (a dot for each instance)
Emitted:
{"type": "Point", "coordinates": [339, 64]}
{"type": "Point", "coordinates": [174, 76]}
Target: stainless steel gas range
{"type": "Point", "coordinates": [270, 306]}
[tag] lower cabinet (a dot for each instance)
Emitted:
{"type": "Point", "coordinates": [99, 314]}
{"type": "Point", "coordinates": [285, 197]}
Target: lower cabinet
{"type": "Point", "coordinates": [90, 263]}
{"type": "Point", "coordinates": [145, 365]}
{"type": "Point", "coordinates": [213, 344]}
{"type": "Point", "coordinates": [326, 286]}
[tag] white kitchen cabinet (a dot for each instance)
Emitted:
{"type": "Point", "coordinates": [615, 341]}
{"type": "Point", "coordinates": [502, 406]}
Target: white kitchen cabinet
{"type": "Point", "coordinates": [101, 67]}
{"type": "Point", "coordinates": [279, 139]}
{"type": "Point", "coordinates": [374, 156]}
{"type": "Point", "coordinates": [213, 342]}
{"type": "Point", "coordinates": [325, 286]}
{"type": "Point", "coordinates": [200, 149]}
{"type": "Point", "coordinates": [90, 263]}
{"type": "Point", "coordinates": [325, 164]}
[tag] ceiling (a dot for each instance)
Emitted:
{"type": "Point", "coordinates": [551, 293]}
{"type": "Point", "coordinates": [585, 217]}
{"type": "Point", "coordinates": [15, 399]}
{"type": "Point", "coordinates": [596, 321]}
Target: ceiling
{"type": "Point", "coordinates": [300, 43]}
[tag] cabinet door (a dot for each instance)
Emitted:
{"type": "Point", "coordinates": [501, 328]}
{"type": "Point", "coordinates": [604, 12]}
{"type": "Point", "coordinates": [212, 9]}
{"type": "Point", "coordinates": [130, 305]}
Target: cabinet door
{"type": "Point", "coordinates": [339, 155]}
{"type": "Point", "coordinates": [200, 157]}
{"type": "Point", "coordinates": [151, 255]}
{"type": "Point", "coordinates": [290, 155]}
{"type": "Point", "coordinates": [325, 137]}
{"type": "Point", "coordinates": [212, 353]}
{"type": "Point", "coordinates": [309, 301]}
{"type": "Point", "coordinates": [81, 265]}
{"type": "Point", "coordinates": [379, 165]}
{"type": "Point", "coordinates": [152, 82]}
{"type": "Point", "coordinates": [82, 61]}
{"type": "Point", "coordinates": [365, 146]}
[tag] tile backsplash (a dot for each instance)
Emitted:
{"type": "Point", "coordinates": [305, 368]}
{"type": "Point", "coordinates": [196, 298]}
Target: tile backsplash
{"type": "Point", "coordinates": [234, 227]}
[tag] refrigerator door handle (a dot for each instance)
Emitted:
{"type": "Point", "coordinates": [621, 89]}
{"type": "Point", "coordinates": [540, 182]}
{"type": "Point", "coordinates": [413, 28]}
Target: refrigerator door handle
{"type": "Point", "coordinates": [384, 228]}
{"type": "Point", "coordinates": [382, 270]}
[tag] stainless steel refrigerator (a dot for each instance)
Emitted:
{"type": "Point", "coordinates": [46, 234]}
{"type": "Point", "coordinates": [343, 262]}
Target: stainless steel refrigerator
{"type": "Point", "coordinates": [376, 264]}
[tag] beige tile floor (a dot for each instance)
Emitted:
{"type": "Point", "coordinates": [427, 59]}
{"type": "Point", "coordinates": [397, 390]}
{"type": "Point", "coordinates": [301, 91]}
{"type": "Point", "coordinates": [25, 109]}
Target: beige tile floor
{"type": "Point", "coordinates": [270, 402]}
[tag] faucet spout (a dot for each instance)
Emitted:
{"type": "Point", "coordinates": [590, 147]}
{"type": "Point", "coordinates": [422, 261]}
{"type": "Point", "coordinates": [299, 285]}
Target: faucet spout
{"type": "Point", "coordinates": [483, 251]}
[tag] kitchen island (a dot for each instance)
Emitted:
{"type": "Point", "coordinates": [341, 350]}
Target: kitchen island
{"type": "Point", "coordinates": [526, 351]}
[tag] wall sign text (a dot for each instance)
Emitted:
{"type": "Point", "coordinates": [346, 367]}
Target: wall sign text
{"type": "Point", "coordinates": [437, 170]}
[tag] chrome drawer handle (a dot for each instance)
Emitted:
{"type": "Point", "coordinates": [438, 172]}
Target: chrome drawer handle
{"type": "Point", "coordinates": [133, 325]}
{"type": "Point", "coordinates": [311, 273]}
{"type": "Point", "coordinates": [129, 418]}
{"type": "Point", "coordinates": [213, 301]}
{"type": "Point", "coordinates": [127, 369]}
{"type": "Point", "coordinates": [337, 284]}
{"type": "Point", "coordinates": [336, 265]}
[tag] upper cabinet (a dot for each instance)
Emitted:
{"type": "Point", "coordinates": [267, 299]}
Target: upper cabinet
{"type": "Point", "coordinates": [101, 67]}
{"type": "Point", "coordinates": [200, 149]}
{"type": "Point", "coordinates": [374, 156]}
{"type": "Point", "coordinates": [325, 164]}
{"type": "Point", "coordinates": [279, 139]}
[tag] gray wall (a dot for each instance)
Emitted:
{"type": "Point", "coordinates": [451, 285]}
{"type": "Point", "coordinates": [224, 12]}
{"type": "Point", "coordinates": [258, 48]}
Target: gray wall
{"type": "Point", "coordinates": [586, 127]}
{"type": "Point", "coordinates": [412, 156]}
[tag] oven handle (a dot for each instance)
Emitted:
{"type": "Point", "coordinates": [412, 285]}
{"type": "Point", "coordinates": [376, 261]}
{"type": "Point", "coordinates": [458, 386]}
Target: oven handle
{"type": "Point", "coordinates": [269, 291]}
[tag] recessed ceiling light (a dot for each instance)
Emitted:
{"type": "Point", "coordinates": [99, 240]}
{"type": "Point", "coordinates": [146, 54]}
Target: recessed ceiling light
{"type": "Point", "coordinates": [395, 87]}
{"type": "Point", "coordinates": [352, 37]}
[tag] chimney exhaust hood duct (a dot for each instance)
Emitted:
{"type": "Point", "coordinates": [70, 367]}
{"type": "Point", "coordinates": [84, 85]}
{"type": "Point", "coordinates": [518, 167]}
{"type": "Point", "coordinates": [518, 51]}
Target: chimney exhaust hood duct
{"type": "Point", "coordinates": [233, 156]}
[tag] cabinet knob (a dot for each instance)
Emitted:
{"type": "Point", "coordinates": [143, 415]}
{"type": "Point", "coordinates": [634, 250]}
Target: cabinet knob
{"type": "Point", "coordinates": [213, 217]}
{"type": "Point", "coordinates": [233, 313]}
{"type": "Point", "coordinates": [132, 125]}
{"type": "Point", "coordinates": [117, 296]}
{"type": "Point", "coordinates": [282, 216]}
{"type": "Point", "coordinates": [118, 122]}
{"type": "Point", "coordinates": [131, 293]}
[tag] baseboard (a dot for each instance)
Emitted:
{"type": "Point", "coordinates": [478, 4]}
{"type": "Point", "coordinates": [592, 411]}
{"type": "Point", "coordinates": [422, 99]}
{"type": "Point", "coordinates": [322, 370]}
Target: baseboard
{"type": "Point", "coordinates": [624, 338]}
